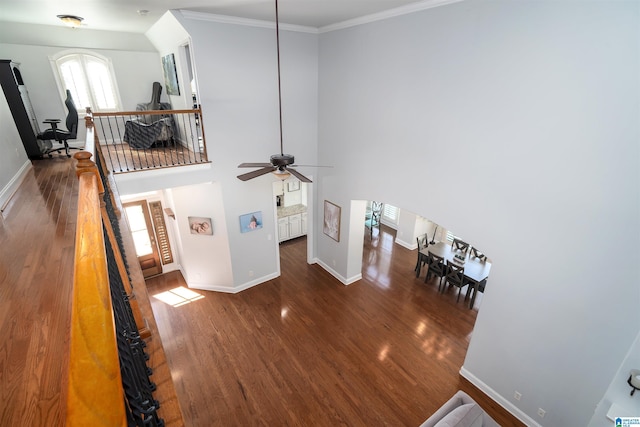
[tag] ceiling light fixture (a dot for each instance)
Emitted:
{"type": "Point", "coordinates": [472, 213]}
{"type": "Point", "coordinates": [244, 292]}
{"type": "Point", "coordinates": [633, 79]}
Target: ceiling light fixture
{"type": "Point", "coordinates": [71, 20]}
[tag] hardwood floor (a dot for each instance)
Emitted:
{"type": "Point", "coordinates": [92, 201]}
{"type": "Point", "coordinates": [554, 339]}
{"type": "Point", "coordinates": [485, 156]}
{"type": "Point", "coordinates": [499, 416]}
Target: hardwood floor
{"type": "Point", "coordinates": [299, 350]}
{"type": "Point", "coordinates": [37, 240]}
{"type": "Point", "coordinates": [304, 349]}
{"type": "Point", "coordinates": [37, 232]}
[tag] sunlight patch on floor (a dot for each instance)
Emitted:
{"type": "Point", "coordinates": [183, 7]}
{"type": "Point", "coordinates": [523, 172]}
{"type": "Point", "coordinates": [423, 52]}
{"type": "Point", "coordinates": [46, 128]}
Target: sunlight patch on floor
{"type": "Point", "coordinates": [178, 296]}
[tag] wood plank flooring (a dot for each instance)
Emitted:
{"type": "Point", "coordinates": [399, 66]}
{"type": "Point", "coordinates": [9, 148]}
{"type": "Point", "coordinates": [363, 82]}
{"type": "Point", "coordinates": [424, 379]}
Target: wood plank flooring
{"type": "Point", "coordinates": [304, 349]}
{"type": "Point", "coordinates": [37, 240]}
{"type": "Point", "coordinates": [37, 232]}
{"type": "Point", "coordinates": [299, 350]}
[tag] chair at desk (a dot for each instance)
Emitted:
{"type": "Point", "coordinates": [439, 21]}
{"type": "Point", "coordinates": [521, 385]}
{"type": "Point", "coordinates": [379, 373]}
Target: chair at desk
{"type": "Point", "coordinates": [62, 135]}
{"type": "Point", "coordinates": [436, 268]}
{"type": "Point", "coordinates": [423, 242]}
{"type": "Point", "coordinates": [459, 245]}
{"type": "Point", "coordinates": [454, 277]}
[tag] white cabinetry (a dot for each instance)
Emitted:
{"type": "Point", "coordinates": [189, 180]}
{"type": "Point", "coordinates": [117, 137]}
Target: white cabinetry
{"type": "Point", "coordinates": [283, 228]}
{"type": "Point", "coordinates": [292, 226]}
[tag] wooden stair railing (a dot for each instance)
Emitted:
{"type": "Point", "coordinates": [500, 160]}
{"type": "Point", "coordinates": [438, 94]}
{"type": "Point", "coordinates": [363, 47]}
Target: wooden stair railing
{"type": "Point", "coordinates": [95, 395]}
{"type": "Point", "coordinates": [108, 382]}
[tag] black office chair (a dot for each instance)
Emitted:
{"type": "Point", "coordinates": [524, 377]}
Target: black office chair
{"type": "Point", "coordinates": [62, 135]}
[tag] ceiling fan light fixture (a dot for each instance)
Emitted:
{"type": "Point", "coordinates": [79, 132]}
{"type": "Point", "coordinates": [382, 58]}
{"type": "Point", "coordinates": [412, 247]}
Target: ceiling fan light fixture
{"type": "Point", "coordinates": [281, 175]}
{"type": "Point", "coordinates": [71, 20]}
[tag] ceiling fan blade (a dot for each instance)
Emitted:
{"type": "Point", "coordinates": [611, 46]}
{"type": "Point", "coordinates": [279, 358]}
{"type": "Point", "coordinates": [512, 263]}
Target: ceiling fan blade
{"type": "Point", "coordinates": [309, 166]}
{"type": "Point", "coordinates": [298, 175]}
{"type": "Point", "coordinates": [254, 165]}
{"type": "Point", "coordinates": [250, 175]}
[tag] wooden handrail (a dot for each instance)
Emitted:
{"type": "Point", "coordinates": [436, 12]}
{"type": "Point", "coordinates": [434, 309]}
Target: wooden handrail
{"type": "Point", "coordinates": [146, 112]}
{"type": "Point", "coordinates": [94, 395]}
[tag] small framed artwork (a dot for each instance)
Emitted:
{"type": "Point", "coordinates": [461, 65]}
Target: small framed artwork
{"type": "Point", "coordinates": [293, 185]}
{"type": "Point", "coordinates": [250, 222]}
{"type": "Point", "coordinates": [170, 74]}
{"type": "Point", "coordinates": [331, 224]}
{"type": "Point", "coordinates": [200, 225]}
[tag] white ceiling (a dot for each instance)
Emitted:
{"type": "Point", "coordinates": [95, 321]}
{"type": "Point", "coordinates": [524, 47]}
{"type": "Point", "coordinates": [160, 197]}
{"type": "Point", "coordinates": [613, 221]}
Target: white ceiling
{"type": "Point", "coordinates": [122, 15]}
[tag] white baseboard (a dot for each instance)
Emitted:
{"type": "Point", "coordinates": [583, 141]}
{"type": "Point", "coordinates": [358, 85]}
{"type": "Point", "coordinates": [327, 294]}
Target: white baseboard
{"type": "Point", "coordinates": [499, 399]}
{"type": "Point", "coordinates": [230, 290]}
{"type": "Point", "coordinates": [12, 186]}
{"type": "Point", "coordinates": [410, 246]}
{"type": "Point", "coordinates": [344, 280]}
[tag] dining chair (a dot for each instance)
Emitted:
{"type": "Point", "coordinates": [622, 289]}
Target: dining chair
{"type": "Point", "coordinates": [471, 293]}
{"type": "Point", "coordinates": [454, 277]}
{"type": "Point", "coordinates": [436, 267]}
{"type": "Point", "coordinates": [475, 253]}
{"type": "Point", "coordinates": [459, 245]}
{"type": "Point", "coordinates": [374, 216]}
{"type": "Point", "coordinates": [423, 242]}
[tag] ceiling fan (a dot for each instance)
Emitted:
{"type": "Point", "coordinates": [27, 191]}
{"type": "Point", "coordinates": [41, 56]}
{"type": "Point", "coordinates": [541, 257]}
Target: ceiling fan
{"type": "Point", "coordinates": [280, 164]}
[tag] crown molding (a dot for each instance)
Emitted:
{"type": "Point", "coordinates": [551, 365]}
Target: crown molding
{"type": "Point", "coordinates": [224, 19]}
{"type": "Point", "coordinates": [398, 11]}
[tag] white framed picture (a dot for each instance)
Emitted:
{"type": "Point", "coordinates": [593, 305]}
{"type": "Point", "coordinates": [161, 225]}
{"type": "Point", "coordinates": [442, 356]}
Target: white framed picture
{"type": "Point", "coordinates": [331, 224]}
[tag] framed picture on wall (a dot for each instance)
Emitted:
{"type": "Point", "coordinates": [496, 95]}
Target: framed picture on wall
{"type": "Point", "coordinates": [200, 225]}
{"type": "Point", "coordinates": [170, 74]}
{"type": "Point", "coordinates": [331, 224]}
{"type": "Point", "coordinates": [293, 185]}
{"type": "Point", "coordinates": [250, 222]}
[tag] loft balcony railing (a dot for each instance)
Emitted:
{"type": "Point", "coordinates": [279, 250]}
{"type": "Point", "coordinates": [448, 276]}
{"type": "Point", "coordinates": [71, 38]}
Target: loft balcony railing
{"type": "Point", "coordinates": [108, 383]}
{"type": "Point", "coordinates": [145, 140]}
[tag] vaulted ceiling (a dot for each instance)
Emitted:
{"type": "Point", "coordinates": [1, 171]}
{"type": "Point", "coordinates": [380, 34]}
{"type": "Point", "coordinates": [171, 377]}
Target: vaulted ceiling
{"type": "Point", "coordinates": [137, 16]}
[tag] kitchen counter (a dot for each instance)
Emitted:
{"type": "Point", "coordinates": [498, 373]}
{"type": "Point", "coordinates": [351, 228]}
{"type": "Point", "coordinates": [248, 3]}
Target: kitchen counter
{"type": "Point", "coordinates": [291, 210]}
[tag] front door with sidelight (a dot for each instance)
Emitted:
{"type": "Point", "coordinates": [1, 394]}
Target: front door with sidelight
{"type": "Point", "coordinates": [143, 237]}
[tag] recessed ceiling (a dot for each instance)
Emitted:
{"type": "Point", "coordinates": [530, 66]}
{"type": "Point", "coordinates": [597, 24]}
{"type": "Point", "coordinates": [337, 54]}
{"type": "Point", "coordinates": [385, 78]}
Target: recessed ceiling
{"type": "Point", "coordinates": [122, 15]}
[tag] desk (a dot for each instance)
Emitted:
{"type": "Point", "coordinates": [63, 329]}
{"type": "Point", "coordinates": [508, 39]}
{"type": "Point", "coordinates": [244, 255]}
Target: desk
{"type": "Point", "coordinates": [475, 271]}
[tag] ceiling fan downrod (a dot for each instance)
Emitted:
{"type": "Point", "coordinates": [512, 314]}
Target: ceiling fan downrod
{"type": "Point", "coordinates": [279, 84]}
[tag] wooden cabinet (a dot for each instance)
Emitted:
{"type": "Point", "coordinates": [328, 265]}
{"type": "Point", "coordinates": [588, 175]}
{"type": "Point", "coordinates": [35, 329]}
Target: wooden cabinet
{"type": "Point", "coordinates": [292, 226]}
{"type": "Point", "coordinates": [18, 100]}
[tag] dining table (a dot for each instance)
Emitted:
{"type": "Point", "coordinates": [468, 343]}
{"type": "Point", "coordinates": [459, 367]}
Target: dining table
{"type": "Point", "coordinates": [476, 271]}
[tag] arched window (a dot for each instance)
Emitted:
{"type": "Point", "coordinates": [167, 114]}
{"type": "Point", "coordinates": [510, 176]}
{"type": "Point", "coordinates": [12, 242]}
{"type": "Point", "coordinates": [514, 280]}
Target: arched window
{"type": "Point", "coordinates": [90, 79]}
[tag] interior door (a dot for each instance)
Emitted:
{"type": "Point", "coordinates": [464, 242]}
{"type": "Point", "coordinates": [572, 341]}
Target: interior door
{"type": "Point", "coordinates": [143, 237]}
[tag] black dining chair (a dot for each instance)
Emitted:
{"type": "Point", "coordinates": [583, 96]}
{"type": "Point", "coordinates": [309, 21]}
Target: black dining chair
{"type": "Point", "coordinates": [459, 245]}
{"type": "Point", "coordinates": [475, 253]}
{"type": "Point", "coordinates": [436, 267]}
{"type": "Point", "coordinates": [454, 277]}
{"type": "Point", "coordinates": [472, 294]}
{"type": "Point", "coordinates": [423, 242]}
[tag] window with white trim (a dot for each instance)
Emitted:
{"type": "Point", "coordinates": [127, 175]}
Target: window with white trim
{"type": "Point", "coordinates": [90, 79]}
{"type": "Point", "coordinates": [390, 214]}
{"type": "Point", "coordinates": [450, 236]}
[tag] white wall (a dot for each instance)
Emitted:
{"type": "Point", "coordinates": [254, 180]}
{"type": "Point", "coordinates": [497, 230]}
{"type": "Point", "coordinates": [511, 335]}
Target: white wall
{"type": "Point", "coordinates": [516, 125]}
{"type": "Point", "coordinates": [237, 79]}
{"type": "Point", "coordinates": [168, 36]}
{"type": "Point", "coordinates": [14, 162]}
{"type": "Point", "coordinates": [135, 70]}
{"type": "Point", "coordinates": [205, 259]}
